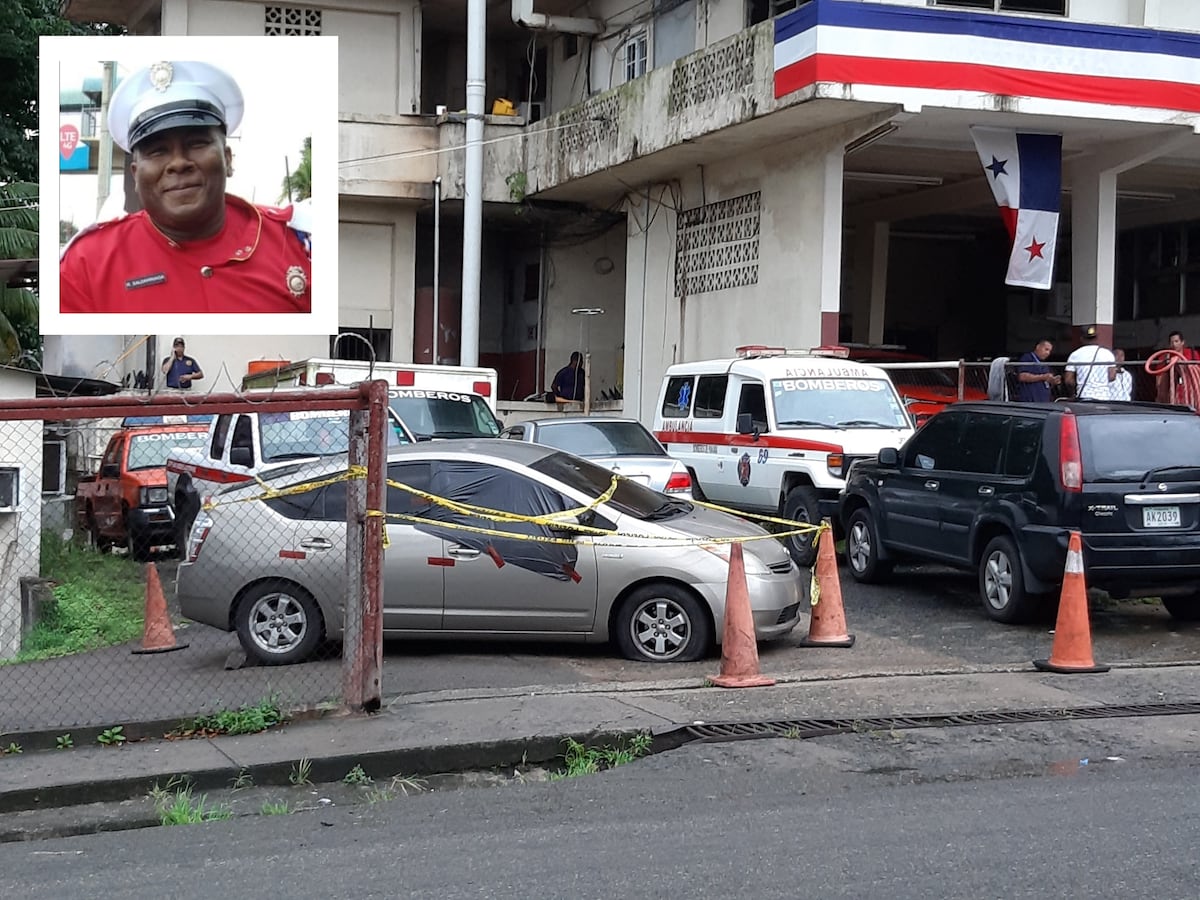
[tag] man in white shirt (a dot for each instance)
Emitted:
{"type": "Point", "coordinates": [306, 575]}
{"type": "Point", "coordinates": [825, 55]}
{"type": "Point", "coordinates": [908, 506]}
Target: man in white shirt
{"type": "Point", "coordinates": [1091, 368]}
{"type": "Point", "coordinates": [1122, 385]}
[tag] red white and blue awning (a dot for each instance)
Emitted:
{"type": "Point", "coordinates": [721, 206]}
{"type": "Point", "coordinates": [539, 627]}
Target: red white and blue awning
{"type": "Point", "coordinates": [943, 57]}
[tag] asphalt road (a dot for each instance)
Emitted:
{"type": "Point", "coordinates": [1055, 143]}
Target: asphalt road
{"type": "Point", "coordinates": [962, 812]}
{"type": "Point", "coordinates": [925, 619]}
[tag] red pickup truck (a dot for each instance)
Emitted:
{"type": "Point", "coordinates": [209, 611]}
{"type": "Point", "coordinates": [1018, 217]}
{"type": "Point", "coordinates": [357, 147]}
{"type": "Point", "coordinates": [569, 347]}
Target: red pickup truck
{"type": "Point", "coordinates": [125, 503]}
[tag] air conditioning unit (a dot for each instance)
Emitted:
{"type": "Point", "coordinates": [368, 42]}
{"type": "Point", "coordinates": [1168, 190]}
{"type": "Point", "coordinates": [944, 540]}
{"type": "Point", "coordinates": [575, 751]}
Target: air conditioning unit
{"type": "Point", "coordinates": [10, 488]}
{"type": "Point", "coordinates": [533, 112]}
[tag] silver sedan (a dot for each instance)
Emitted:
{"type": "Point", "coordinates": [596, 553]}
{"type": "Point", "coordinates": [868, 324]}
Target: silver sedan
{"type": "Point", "coordinates": [623, 445]}
{"type": "Point", "coordinates": [274, 569]}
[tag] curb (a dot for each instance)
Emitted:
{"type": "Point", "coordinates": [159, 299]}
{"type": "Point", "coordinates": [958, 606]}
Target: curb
{"type": "Point", "coordinates": [414, 761]}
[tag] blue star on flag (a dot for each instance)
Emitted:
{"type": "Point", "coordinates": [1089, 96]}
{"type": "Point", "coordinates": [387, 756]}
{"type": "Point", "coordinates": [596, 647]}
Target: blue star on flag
{"type": "Point", "coordinates": [997, 167]}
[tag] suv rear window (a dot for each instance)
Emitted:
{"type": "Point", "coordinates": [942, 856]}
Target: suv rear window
{"type": "Point", "coordinates": [1130, 447]}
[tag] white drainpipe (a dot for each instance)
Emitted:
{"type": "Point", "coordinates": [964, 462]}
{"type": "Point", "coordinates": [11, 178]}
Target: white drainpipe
{"type": "Point", "coordinates": [523, 15]}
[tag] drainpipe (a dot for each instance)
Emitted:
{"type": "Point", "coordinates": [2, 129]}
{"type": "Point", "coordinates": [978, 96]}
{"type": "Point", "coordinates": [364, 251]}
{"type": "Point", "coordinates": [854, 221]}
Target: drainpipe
{"type": "Point", "coordinates": [473, 181]}
{"type": "Point", "coordinates": [523, 15]}
{"type": "Point", "coordinates": [437, 264]}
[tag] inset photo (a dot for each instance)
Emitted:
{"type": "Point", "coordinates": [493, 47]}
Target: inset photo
{"type": "Point", "coordinates": [195, 183]}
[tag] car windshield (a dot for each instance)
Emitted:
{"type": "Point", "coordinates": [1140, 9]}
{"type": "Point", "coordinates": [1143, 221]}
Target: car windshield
{"type": "Point", "coordinates": [1133, 447]}
{"type": "Point", "coordinates": [294, 435]}
{"type": "Point", "coordinates": [600, 439]}
{"type": "Point", "coordinates": [149, 451]}
{"type": "Point", "coordinates": [630, 498]}
{"type": "Point", "coordinates": [444, 414]}
{"type": "Point", "coordinates": [838, 402]}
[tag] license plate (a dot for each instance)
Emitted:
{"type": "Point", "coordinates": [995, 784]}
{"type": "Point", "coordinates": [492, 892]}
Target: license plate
{"type": "Point", "coordinates": [1160, 516]}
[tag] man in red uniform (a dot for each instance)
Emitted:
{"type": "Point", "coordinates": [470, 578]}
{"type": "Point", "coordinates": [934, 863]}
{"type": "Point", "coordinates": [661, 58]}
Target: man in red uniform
{"type": "Point", "coordinates": [192, 248]}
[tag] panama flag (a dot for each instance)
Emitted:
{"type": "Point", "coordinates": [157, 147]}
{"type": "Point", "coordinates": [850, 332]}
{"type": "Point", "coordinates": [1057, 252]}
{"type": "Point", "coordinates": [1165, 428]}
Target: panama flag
{"type": "Point", "coordinates": [1025, 172]}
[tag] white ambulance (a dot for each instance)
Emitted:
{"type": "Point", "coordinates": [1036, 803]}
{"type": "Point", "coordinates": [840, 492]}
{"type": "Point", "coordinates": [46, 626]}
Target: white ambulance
{"type": "Point", "coordinates": [775, 431]}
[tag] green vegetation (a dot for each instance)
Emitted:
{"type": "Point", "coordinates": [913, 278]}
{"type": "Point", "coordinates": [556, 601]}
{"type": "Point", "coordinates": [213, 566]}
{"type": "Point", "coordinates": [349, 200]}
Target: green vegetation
{"type": "Point", "coordinates": [271, 808]}
{"type": "Point", "coordinates": [99, 600]}
{"type": "Point", "coordinates": [177, 805]}
{"type": "Point", "coordinates": [583, 760]}
{"type": "Point", "coordinates": [242, 780]}
{"type": "Point", "coordinates": [12, 749]}
{"type": "Point", "coordinates": [358, 777]}
{"type": "Point", "coordinates": [63, 742]}
{"type": "Point", "coordinates": [399, 785]}
{"type": "Point", "coordinates": [246, 720]}
{"type": "Point", "coordinates": [112, 737]}
{"type": "Point", "coordinates": [301, 772]}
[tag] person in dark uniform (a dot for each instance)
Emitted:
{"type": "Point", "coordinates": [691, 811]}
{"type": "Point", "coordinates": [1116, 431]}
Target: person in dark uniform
{"type": "Point", "coordinates": [568, 381]}
{"type": "Point", "coordinates": [192, 248]}
{"type": "Point", "coordinates": [181, 370]}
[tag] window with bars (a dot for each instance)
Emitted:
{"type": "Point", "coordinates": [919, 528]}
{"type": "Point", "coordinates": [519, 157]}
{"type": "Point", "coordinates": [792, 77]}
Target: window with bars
{"type": "Point", "coordinates": [1045, 7]}
{"type": "Point", "coordinates": [380, 340]}
{"type": "Point", "coordinates": [289, 20]}
{"type": "Point", "coordinates": [637, 50]}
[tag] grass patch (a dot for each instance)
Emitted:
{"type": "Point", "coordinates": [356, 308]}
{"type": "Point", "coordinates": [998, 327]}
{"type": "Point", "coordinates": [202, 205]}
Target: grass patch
{"type": "Point", "coordinates": [178, 805]}
{"type": "Point", "coordinates": [275, 808]}
{"type": "Point", "coordinates": [583, 760]}
{"type": "Point", "coordinates": [246, 720]}
{"type": "Point", "coordinates": [99, 600]}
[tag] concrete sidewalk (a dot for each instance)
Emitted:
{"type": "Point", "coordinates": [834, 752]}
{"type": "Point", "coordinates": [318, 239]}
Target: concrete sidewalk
{"type": "Point", "coordinates": [427, 734]}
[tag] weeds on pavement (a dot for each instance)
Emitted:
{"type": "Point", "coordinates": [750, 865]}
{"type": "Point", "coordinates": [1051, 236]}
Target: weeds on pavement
{"type": "Point", "coordinates": [251, 719]}
{"type": "Point", "coordinates": [242, 780]}
{"type": "Point", "coordinates": [176, 804]}
{"type": "Point", "coordinates": [301, 772]}
{"type": "Point", "coordinates": [271, 808]}
{"type": "Point", "coordinates": [357, 776]}
{"type": "Point", "coordinates": [63, 742]}
{"type": "Point", "coordinates": [584, 760]}
{"type": "Point", "coordinates": [112, 737]}
{"type": "Point", "coordinates": [12, 749]}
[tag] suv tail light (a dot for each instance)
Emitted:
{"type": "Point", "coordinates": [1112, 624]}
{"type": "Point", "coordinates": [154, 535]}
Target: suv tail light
{"type": "Point", "coordinates": [678, 483]}
{"type": "Point", "coordinates": [199, 533]}
{"type": "Point", "coordinates": [1070, 458]}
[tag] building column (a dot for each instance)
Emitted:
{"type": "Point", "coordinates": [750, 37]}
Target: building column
{"type": "Point", "coordinates": [869, 298]}
{"type": "Point", "coordinates": [830, 240]}
{"type": "Point", "coordinates": [1093, 245]}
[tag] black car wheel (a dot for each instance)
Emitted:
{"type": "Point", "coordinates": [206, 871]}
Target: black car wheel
{"type": "Point", "coordinates": [862, 548]}
{"type": "Point", "coordinates": [279, 624]}
{"type": "Point", "coordinates": [1002, 582]}
{"type": "Point", "coordinates": [801, 505]}
{"type": "Point", "coordinates": [98, 540]}
{"type": "Point", "coordinates": [662, 623]}
{"type": "Point", "coordinates": [1183, 609]}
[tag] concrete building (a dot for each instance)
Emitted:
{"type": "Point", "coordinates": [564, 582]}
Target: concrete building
{"type": "Point", "coordinates": [20, 507]}
{"type": "Point", "coordinates": [715, 172]}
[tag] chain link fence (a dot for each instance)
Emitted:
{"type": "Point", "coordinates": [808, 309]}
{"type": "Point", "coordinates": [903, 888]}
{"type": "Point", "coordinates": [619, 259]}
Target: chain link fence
{"type": "Point", "coordinates": [150, 572]}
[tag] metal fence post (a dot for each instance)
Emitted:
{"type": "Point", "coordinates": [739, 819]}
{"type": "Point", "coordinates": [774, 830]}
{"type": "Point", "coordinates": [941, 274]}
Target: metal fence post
{"type": "Point", "coordinates": [353, 658]}
{"type": "Point", "coordinates": [962, 376]}
{"type": "Point", "coordinates": [372, 575]}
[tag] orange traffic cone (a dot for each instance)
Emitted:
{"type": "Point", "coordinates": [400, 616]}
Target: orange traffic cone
{"type": "Point", "coordinates": [827, 622]}
{"type": "Point", "coordinates": [158, 635]}
{"type": "Point", "coordinates": [1072, 649]}
{"type": "Point", "coordinates": [739, 647]}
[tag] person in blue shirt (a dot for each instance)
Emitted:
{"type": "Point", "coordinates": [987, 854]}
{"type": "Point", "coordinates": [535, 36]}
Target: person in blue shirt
{"type": "Point", "coordinates": [568, 381]}
{"type": "Point", "coordinates": [1034, 378]}
{"type": "Point", "coordinates": [181, 370]}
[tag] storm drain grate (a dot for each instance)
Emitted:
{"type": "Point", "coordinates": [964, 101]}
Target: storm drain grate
{"type": "Point", "coordinates": [809, 728]}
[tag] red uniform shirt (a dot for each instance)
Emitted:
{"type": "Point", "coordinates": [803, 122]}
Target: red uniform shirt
{"type": "Point", "coordinates": [256, 264]}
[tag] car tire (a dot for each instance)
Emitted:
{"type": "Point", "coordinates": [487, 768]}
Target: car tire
{"type": "Point", "coordinates": [802, 505]}
{"type": "Point", "coordinates": [185, 515]}
{"type": "Point", "coordinates": [1183, 609]}
{"type": "Point", "coordinates": [1002, 583]}
{"type": "Point", "coordinates": [663, 623]}
{"type": "Point", "coordinates": [98, 541]}
{"type": "Point", "coordinates": [136, 543]}
{"type": "Point", "coordinates": [279, 624]}
{"type": "Point", "coordinates": [862, 548]}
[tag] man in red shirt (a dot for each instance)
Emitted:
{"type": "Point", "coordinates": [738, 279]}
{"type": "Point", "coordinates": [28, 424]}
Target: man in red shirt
{"type": "Point", "coordinates": [192, 248]}
{"type": "Point", "coordinates": [1185, 375]}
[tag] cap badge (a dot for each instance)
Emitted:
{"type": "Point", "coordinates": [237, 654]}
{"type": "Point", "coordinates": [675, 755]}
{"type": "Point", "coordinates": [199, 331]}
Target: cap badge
{"type": "Point", "coordinates": [297, 281]}
{"type": "Point", "coordinates": [161, 74]}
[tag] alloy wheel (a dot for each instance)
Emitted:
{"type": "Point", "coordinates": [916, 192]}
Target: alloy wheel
{"type": "Point", "coordinates": [858, 546]}
{"type": "Point", "coordinates": [277, 623]}
{"type": "Point", "coordinates": [661, 628]}
{"type": "Point", "coordinates": [998, 580]}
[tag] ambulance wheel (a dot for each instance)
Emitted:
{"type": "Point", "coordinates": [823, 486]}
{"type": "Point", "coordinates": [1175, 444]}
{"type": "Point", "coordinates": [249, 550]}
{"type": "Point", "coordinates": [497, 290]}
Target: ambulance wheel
{"type": "Point", "coordinates": [801, 505]}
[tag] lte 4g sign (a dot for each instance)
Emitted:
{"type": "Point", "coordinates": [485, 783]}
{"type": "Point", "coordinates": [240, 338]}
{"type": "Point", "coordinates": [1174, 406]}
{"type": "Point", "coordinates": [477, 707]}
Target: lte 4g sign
{"type": "Point", "coordinates": [73, 154]}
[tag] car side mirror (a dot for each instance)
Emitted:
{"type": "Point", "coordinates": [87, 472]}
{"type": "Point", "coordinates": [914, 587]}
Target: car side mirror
{"type": "Point", "coordinates": [112, 470]}
{"type": "Point", "coordinates": [889, 456]}
{"type": "Point", "coordinates": [745, 425]}
{"type": "Point", "coordinates": [241, 456]}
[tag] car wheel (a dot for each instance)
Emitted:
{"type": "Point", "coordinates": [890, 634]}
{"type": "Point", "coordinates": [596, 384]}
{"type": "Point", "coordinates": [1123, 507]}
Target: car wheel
{"type": "Point", "coordinates": [279, 625]}
{"type": "Point", "coordinates": [801, 505]}
{"type": "Point", "coordinates": [185, 515]}
{"type": "Point", "coordinates": [1184, 609]}
{"type": "Point", "coordinates": [862, 548]}
{"type": "Point", "coordinates": [663, 623]}
{"type": "Point", "coordinates": [136, 544]}
{"type": "Point", "coordinates": [1002, 582]}
{"type": "Point", "coordinates": [98, 541]}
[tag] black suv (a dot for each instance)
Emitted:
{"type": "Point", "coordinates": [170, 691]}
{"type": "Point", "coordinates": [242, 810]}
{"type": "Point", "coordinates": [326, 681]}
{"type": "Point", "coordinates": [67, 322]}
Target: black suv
{"type": "Point", "coordinates": [998, 487]}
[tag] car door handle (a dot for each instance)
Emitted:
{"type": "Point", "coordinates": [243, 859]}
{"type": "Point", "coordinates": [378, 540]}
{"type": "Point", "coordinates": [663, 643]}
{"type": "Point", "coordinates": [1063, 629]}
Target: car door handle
{"type": "Point", "coordinates": [931, 485]}
{"type": "Point", "coordinates": [316, 543]}
{"type": "Point", "coordinates": [463, 552]}
{"type": "Point", "coordinates": [987, 490]}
